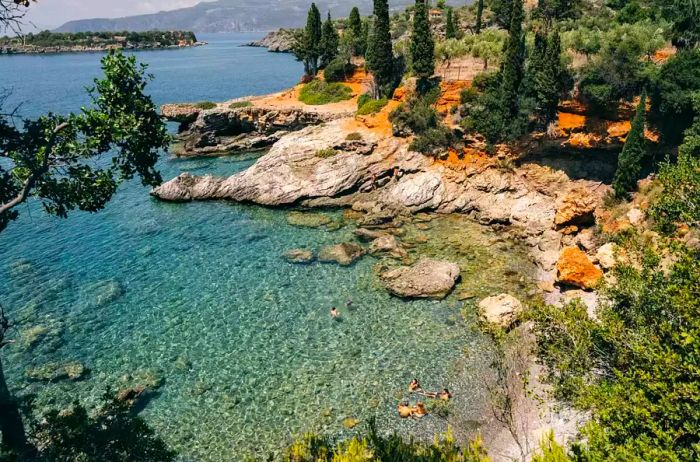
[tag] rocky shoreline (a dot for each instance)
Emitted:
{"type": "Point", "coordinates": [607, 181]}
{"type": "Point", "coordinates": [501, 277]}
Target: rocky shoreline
{"type": "Point", "coordinates": [329, 158]}
{"type": "Point", "coordinates": [278, 41]}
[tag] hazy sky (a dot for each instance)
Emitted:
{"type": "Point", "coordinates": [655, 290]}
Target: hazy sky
{"type": "Point", "coordinates": [56, 12]}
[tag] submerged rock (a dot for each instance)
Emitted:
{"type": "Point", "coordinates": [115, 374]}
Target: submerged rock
{"type": "Point", "coordinates": [574, 268]}
{"type": "Point", "coordinates": [387, 245]}
{"type": "Point", "coordinates": [426, 279]}
{"type": "Point", "coordinates": [500, 310]}
{"type": "Point", "coordinates": [307, 220]}
{"type": "Point", "coordinates": [52, 372]}
{"type": "Point", "coordinates": [299, 256]}
{"type": "Point", "coordinates": [344, 254]}
{"type": "Point", "coordinates": [368, 234]}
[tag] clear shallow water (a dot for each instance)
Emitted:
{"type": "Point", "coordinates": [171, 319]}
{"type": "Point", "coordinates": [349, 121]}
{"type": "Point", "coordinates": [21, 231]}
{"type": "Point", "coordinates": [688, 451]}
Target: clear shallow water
{"type": "Point", "coordinates": [196, 296]}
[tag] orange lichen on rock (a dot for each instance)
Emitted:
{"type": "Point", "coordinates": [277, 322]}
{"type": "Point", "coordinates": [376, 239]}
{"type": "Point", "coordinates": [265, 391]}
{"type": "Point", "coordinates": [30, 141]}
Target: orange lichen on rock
{"type": "Point", "coordinates": [569, 122]}
{"type": "Point", "coordinates": [450, 95]}
{"type": "Point", "coordinates": [464, 159]}
{"type": "Point", "coordinates": [573, 106]}
{"type": "Point", "coordinates": [584, 140]}
{"type": "Point", "coordinates": [399, 94]}
{"type": "Point", "coordinates": [574, 268]}
{"type": "Point", "coordinates": [662, 55]}
{"type": "Point", "coordinates": [619, 129]}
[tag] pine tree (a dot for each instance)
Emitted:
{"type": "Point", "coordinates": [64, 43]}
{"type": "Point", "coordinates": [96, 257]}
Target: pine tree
{"type": "Point", "coordinates": [380, 54]}
{"type": "Point", "coordinates": [512, 70]}
{"type": "Point", "coordinates": [479, 16]}
{"type": "Point", "coordinates": [629, 165]}
{"type": "Point", "coordinates": [329, 42]}
{"type": "Point", "coordinates": [450, 29]}
{"type": "Point", "coordinates": [355, 27]}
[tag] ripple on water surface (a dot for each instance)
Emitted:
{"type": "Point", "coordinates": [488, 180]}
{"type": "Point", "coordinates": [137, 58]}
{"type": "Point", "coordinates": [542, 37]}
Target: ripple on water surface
{"type": "Point", "coordinates": [197, 297]}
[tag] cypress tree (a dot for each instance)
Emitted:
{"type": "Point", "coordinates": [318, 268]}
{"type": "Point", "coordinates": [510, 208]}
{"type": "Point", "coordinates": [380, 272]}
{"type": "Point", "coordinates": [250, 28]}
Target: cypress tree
{"type": "Point", "coordinates": [422, 44]}
{"type": "Point", "coordinates": [546, 73]}
{"type": "Point", "coordinates": [308, 47]}
{"type": "Point", "coordinates": [329, 42]}
{"type": "Point", "coordinates": [380, 54]}
{"type": "Point", "coordinates": [503, 11]}
{"type": "Point", "coordinates": [479, 16]}
{"type": "Point", "coordinates": [450, 29]}
{"type": "Point", "coordinates": [629, 165]}
{"type": "Point", "coordinates": [512, 70]}
{"type": "Point", "coordinates": [364, 40]}
{"type": "Point", "coordinates": [355, 27]}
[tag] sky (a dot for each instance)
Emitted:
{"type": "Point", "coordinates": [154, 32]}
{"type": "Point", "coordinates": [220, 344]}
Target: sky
{"type": "Point", "coordinates": [53, 13]}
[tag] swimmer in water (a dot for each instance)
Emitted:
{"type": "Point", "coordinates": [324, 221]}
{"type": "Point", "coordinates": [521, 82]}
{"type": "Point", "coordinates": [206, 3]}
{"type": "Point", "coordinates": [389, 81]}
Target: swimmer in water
{"type": "Point", "coordinates": [414, 385]}
{"type": "Point", "coordinates": [334, 313]}
{"type": "Point", "coordinates": [445, 395]}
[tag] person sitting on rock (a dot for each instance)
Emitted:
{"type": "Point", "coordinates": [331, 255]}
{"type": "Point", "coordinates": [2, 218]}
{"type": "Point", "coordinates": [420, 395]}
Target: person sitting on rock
{"type": "Point", "coordinates": [445, 395]}
{"type": "Point", "coordinates": [419, 410]}
{"type": "Point", "coordinates": [414, 386]}
{"type": "Point", "coordinates": [405, 410]}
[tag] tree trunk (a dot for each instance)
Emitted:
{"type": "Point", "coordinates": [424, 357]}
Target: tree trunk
{"type": "Point", "coordinates": [11, 426]}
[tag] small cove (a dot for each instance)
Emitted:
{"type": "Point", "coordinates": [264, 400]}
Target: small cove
{"type": "Point", "coordinates": [197, 297]}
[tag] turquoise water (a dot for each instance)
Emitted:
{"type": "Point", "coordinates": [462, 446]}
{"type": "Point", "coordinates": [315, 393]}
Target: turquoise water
{"type": "Point", "coordinates": [195, 297]}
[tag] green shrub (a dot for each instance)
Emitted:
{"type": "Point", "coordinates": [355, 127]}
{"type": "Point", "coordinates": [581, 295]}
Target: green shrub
{"type": "Point", "coordinates": [317, 92]}
{"type": "Point", "coordinates": [372, 106]}
{"type": "Point", "coordinates": [433, 140]}
{"type": "Point", "coordinates": [363, 99]}
{"type": "Point", "coordinates": [468, 95]}
{"type": "Point", "coordinates": [240, 104]}
{"type": "Point", "coordinates": [354, 136]}
{"type": "Point", "coordinates": [205, 105]}
{"type": "Point", "coordinates": [326, 153]}
{"type": "Point", "coordinates": [636, 368]}
{"type": "Point", "coordinates": [338, 70]}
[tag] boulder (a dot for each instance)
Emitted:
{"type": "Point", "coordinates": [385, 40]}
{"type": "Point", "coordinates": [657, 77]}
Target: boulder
{"type": "Point", "coordinates": [574, 268]}
{"type": "Point", "coordinates": [635, 216]}
{"type": "Point", "coordinates": [500, 310]}
{"type": "Point", "coordinates": [426, 279]}
{"type": "Point", "coordinates": [387, 245]}
{"type": "Point", "coordinates": [53, 372]}
{"type": "Point", "coordinates": [299, 256]}
{"type": "Point", "coordinates": [576, 208]}
{"type": "Point", "coordinates": [344, 254]}
{"type": "Point", "coordinates": [606, 256]}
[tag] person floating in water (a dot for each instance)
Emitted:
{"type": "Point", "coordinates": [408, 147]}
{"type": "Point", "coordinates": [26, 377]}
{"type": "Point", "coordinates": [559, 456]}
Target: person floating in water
{"type": "Point", "coordinates": [414, 386]}
{"type": "Point", "coordinates": [348, 303]}
{"type": "Point", "coordinates": [419, 410]}
{"type": "Point", "coordinates": [335, 313]}
{"type": "Point", "coordinates": [405, 410]}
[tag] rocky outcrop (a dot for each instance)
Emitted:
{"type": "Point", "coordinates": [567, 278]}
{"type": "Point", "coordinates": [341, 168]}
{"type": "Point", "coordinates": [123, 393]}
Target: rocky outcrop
{"type": "Point", "coordinates": [426, 279]}
{"type": "Point", "coordinates": [344, 254]}
{"type": "Point", "coordinates": [576, 208]}
{"type": "Point", "coordinates": [500, 310]}
{"type": "Point", "coordinates": [574, 268]}
{"type": "Point", "coordinates": [278, 41]}
{"type": "Point", "coordinates": [222, 130]}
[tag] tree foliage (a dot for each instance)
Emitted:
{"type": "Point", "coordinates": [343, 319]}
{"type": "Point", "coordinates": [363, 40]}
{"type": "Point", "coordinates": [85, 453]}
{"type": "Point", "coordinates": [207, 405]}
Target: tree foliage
{"type": "Point", "coordinates": [547, 75]}
{"type": "Point", "coordinates": [307, 42]}
{"type": "Point", "coordinates": [380, 53]}
{"type": "Point", "coordinates": [422, 43]}
{"type": "Point", "coordinates": [450, 26]}
{"type": "Point", "coordinates": [328, 46]}
{"type": "Point", "coordinates": [629, 166]}
{"type": "Point", "coordinates": [356, 29]}
{"type": "Point", "coordinates": [53, 158]}
{"type": "Point", "coordinates": [671, 95]}
{"type": "Point", "coordinates": [513, 67]}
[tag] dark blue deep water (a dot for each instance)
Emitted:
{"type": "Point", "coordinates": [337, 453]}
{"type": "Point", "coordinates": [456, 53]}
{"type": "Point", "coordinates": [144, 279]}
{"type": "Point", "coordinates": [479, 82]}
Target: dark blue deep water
{"type": "Point", "coordinates": [195, 297]}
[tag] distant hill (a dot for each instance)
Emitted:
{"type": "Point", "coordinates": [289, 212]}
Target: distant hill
{"type": "Point", "coordinates": [227, 16]}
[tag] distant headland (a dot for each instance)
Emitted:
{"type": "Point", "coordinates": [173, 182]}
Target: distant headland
{"type": "Point", "coordinates": [58, 42]}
